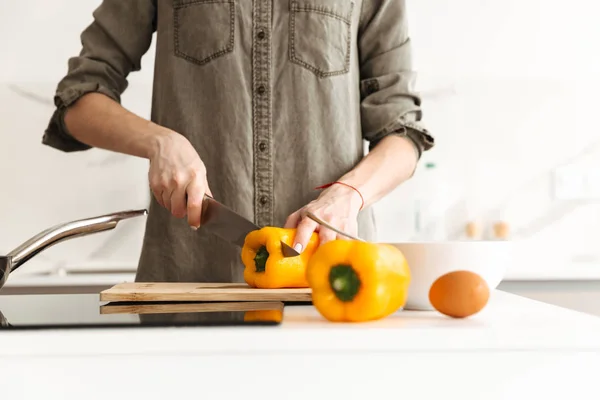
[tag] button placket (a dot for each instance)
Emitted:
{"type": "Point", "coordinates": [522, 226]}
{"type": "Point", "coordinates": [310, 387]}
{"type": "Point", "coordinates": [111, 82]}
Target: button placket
{"type": "Point", "coordinates": [262, 119]}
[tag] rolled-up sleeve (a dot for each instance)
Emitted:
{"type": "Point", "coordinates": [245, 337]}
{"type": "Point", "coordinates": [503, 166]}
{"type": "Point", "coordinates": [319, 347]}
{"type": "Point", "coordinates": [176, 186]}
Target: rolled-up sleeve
{"type": "Point", "coordinates": [389, 105]}
{"type": "Point", "coordinates": [112, 47]}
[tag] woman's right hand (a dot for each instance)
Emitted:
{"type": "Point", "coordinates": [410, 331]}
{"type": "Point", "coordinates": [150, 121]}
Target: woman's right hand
{"type": "Point", "coordinates": [178, 177]}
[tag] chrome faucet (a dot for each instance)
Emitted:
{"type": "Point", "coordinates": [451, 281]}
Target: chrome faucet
{"type": "Point", "coordinates": [59, 233]}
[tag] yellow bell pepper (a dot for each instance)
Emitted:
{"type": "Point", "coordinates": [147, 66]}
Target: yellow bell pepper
{"type": "Point", "coordinates": [355, 281]}
{"type": "Point", "coordinates": [266, 267]}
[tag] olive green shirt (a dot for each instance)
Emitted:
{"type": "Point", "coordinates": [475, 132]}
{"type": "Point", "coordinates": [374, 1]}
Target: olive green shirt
{"type": "Point", "coordinates": [277, 97]}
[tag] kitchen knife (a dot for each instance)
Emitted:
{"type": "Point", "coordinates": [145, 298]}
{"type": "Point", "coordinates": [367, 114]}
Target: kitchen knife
{"type": "Point", "coordinates": [227, 224]}
{"type": "Point", "coordinates": [333, 228]}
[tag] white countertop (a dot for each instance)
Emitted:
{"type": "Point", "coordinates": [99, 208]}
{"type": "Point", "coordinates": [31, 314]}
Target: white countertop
{"type": "Point", "coordinates": [509, 322]}
{"type": "Point", "coordinates": [516, 349]}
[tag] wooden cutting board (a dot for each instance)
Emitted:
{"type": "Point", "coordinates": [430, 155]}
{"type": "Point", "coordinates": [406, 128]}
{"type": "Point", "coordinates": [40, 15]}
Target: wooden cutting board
{"type": "Point", "coordinates": [189, 307]}
{"type": "Point", "coordinates": [171, 291]}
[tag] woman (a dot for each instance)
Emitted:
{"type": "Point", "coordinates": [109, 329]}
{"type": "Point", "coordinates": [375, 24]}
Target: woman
{"type": "Point", "coordinates": [256, 103]}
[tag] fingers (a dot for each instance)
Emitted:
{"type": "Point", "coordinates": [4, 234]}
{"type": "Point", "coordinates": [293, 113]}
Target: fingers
{"type": "Point", "coordinates": [156, 187]}
{"type": "Point", "coordinates": [292, 220]}
{"type": "Point", "coordinates": [326, 235]}
{"type": "Point", "coordinates": [161, 189]}
{"type": "Point", "coordinates": [207, 189]}
{"type": "Point", "coordinates": [351, 229]}
{"type": "Point", "coordinates": [166, 198]}
{"type": "Point", "coordinates": [178, 202]}
{"type": "Point", "coordinates": [181, 195]}
{"type": "Point", "coordinates": [157, 195]}
{"type": "Point", "coordinates": [177, 178]}
{"type": "Point", "coordinates": [305, 229]}
{"type": "Point", "coordinates": [195, 197]}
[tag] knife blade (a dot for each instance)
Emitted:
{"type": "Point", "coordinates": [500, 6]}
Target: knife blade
{"type": "Point", "coordinates": [230, 226]}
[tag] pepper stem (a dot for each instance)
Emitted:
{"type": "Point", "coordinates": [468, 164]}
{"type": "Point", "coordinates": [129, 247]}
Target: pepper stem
{"type": "Point", "coordinates": [260, 260]}
{"type": "Point", "coordinates": [344, 282]}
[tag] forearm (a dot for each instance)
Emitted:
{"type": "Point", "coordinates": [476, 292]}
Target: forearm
{"type": "Point", "coordinates": [390, 163]}
{"type": "Point", "coordinates": [389, 104]}
{"type": "Point", "coordinates": [100, 122]}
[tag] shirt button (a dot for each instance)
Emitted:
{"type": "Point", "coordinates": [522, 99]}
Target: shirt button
{"type": "Point", "coordinates": [262, 146]}
{"type": "Point", "coordinates": [263, 200]}
{"type": "Point", "coordinates": [261, 35]}
{"type": "Point", "coordinates": [261, 89]}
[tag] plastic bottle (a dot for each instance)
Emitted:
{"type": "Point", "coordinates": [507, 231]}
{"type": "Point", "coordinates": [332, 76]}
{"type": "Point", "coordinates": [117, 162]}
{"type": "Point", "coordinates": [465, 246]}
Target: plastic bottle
{"type": "Point", "coordinates": [431, 205]}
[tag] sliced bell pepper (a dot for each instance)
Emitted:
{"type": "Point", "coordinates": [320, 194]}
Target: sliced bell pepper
{"type": "Point", "coordinates": [264, 315]}
{"type": "Point", "coordinates": [266, 267]}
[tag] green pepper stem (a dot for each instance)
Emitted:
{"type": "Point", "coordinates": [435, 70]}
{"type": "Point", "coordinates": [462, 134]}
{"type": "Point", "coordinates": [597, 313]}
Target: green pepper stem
{"type": "Point", "coordinates": [344, 282]}
{"type": "Point", "coordinates": [260, 260]}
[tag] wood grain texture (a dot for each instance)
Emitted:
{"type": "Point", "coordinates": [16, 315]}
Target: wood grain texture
{"type": "Point", "coordinates": [174, 308]}
{"type": "Point", "coordinates": [171, 291]}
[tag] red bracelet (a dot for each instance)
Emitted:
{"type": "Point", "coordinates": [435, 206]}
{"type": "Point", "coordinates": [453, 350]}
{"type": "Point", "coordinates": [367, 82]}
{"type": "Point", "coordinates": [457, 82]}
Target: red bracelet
{"type": "Point", "coordinates": [345, 184]}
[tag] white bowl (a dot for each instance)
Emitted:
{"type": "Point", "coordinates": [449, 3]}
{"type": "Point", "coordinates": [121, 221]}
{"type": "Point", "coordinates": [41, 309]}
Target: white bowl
{"type": "Point", "coordinates": [430, 260]}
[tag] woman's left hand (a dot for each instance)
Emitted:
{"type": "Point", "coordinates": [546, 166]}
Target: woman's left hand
{"type": "Point", "coordinates": [338, 205]}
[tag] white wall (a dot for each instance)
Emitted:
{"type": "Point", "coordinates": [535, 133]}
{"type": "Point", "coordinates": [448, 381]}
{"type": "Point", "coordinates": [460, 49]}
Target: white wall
{"type": "Point", "coordinates": [41, 186]}
{"type": "Point", "coordinates": [523, 80]}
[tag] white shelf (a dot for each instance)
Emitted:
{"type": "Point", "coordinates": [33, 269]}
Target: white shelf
{"type": "Point", "coordinates": [568, 272]}
{"type": "Point", "coordinates": [73, 280]}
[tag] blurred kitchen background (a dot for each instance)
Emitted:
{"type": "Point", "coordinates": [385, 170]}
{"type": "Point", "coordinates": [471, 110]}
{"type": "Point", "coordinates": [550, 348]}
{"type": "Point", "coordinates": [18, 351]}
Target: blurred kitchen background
{"type": "Point", "coordinates": [509, 91]}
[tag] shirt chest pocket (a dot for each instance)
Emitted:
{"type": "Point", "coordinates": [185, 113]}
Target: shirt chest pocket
{"type": "Point", "coordinates": [321, 35]}
{"type": "Point", "coordinates": [203, 29]}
